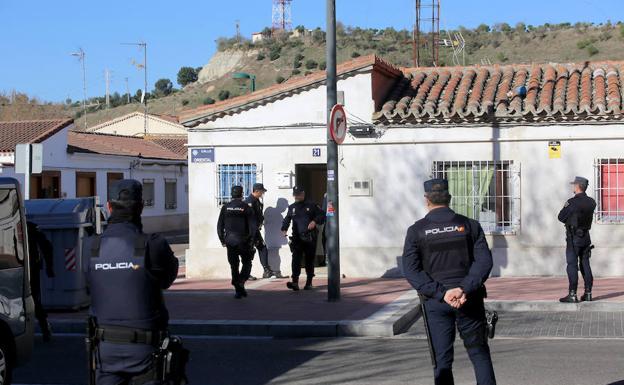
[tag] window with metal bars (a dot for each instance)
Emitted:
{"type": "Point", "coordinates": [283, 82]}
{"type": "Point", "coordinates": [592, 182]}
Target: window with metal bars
{"type": "Point", "coordinates": [486, 191]}
{"type": "Point", "coordinates": [229, 175]}
{"type": "Point", "coordinates": [609, 190]}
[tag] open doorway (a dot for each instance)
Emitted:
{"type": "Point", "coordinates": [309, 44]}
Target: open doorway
{"type": "Point", "coordinates": [313, 179]}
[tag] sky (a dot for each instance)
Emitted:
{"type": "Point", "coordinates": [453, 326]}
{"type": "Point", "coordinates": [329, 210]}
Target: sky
{"type": "Point", "coordinates": [37, 37]}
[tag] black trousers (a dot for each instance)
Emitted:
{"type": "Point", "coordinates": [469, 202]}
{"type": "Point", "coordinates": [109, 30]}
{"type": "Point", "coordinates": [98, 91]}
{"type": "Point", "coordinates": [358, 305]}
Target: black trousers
{"type": "Point", "coordinates": [35, 288]}
{"type": "Point", "coordinates": [238, 255]}
{"type": "Point", "coordinates": [470, 321]}
{"type": "Point", "coordinates": [578, 257]}
{"type": "Point", "coordinates": [301, 250]}
{"type": "Point", "coordinates": [263, 252]}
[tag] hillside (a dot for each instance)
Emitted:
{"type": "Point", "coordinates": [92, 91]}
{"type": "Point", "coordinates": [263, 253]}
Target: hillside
{"type": "Point", "coordinates": [278, 58]}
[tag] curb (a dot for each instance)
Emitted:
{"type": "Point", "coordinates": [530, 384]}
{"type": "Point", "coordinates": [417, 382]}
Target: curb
{"type": "Point", "coordinates": [394, 318]}
{"type": "Point", "coordinates": [527, 306]}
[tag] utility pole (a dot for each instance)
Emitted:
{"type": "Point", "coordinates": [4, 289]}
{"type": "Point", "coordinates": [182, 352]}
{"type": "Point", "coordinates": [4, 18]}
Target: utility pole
{"type": "Point", "coordinates": [81, 57]}
{"type": "Point", "coordinates": [107, 79]}
{"type": "Point", "coordinates": [238, 34]}
{"type": "Point", "coordinates": [333, 239]}
{"type": "Point", "coordinates": [143, 45]}
{"type": "Point", "coordinates": [127, 90]}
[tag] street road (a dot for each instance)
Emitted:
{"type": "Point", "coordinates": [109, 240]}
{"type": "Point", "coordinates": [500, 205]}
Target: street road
{"type": "Point", "coordinates": [398, 360]}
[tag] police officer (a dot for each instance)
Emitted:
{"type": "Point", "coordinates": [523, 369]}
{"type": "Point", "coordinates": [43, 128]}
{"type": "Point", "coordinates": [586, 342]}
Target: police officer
{"type": "Point", "coordinates": [447, 260]}
{"type": "Point", "coordinates": [237, 230]}
{"type": "Point", "coordinates": [577, 215]}
{"type": "Point", "coordinates": [253, 200]}
{"type": "Point", "coordinates": [40, 250]}
{"type": "Point", "coordinates": [305, 216]}
{"type": "Point", "coordinates": [127, 273]}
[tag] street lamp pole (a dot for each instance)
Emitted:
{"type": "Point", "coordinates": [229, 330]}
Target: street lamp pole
{"type": "Point", "coordinates": [333, 233]}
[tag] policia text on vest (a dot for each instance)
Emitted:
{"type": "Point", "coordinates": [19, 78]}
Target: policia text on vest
{"type": "Point", "coordinates": [128, 340]}
{"type": "Point", "coordinates": [447, 260]}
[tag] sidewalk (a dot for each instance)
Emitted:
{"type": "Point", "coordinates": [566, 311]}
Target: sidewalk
{"type": "Point", "coordinates": [543, 293]}
{"type": "Point", "coordinates": [368, 307]}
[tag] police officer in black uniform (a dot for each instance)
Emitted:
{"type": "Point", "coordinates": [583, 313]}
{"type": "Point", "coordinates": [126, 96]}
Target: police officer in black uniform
{"type": "Point", "coordinates": [127, 273]}
{"type": "Point", "coordinates": [253, 200]}
{"type": "Point", "coordinates": [577, 215]}
{"type": "Point", "coordinates": [40, 250]}
{"type": "Point", "coordinates": [237, 230]}
{"type": "Point", "coordinates": [447, 260]}
{"type": "Point", "coordinates": [305, 216]}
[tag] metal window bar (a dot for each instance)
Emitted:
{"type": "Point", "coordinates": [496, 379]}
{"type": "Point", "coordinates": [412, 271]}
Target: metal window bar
{"type": "Point", "coordinates": [484, 191]}
{"type": "Point", "coordinates": [229, 175]}
{"type": "Point", "coordinates": [609, 190]}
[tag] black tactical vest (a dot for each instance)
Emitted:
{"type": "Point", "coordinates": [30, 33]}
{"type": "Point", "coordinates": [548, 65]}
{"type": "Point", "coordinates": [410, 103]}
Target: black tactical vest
{"type": "Point", "coordinates": [446, 249]}
{"type": "Point", "coordinates": [123, 291]}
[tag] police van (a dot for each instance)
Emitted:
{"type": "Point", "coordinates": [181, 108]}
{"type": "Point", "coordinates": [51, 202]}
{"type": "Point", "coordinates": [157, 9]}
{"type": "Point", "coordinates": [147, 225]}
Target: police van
{"type": "Point", "coordinates": [16, 303]}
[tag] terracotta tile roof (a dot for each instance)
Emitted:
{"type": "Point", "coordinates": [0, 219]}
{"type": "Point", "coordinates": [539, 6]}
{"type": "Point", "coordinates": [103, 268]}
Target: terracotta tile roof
{"type": "Point", "coordinates": [28, 131]}
{"type": "Point", "coordinates": [191, 118]}
{"type": "Point", "coordinates": [174, 143]}
{"type": "Point", "coordinates": [106, 144]}
{"type": "Point", "coordinates": [572, 92]}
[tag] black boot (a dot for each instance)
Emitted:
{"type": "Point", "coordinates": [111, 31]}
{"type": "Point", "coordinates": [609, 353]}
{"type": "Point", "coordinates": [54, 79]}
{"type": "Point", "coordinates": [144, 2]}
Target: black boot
{"type": "Point", "coordinates": [267, 273]}
{"type": "Point", "coordinates": [294, 285]}
{"type": "Point", "coordinates": [570, 298]}
{"type": "Point", "coordinates": [239, 292]}
{"type": "Point", "coordinates": [308, 285]}
{"type": "Point", "coordinates": [45, 331]}
{"type": "Point", "coordinates": [242, 290]}
{"type": "Point", "coordinates": [587, 296]}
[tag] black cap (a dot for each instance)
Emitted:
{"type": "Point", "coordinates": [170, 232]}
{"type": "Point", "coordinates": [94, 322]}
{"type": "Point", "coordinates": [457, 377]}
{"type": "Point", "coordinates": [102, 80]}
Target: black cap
{"type": "Point", "coordinates": [259, 187]}
{"type": "Point", "coordinates": [580, 181]}
{"type": "Point", "coordinates": [298, 190]}
{"type": "Point", "coordinates": [436, 185]}
{"type": "Point", "coordinates": [126, 190]}
{"type": "Point", "coordinates": [237, 191]}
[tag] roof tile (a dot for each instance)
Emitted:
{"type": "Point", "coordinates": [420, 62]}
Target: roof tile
{"type": "Point", "coordinates": [107, 144]}
{"type": "Point", "coordinates": [572, 92]}
{"type": "Point", "coordinates": [28, 131]}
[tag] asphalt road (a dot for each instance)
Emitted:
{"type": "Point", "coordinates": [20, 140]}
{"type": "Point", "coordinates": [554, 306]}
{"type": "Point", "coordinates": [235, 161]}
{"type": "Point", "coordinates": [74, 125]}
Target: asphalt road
{"type": "Point", "coordinates": [398, 360]}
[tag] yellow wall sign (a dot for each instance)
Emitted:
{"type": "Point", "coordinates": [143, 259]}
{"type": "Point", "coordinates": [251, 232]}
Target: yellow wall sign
{"type": "Point", "coordinates": [554, 149]}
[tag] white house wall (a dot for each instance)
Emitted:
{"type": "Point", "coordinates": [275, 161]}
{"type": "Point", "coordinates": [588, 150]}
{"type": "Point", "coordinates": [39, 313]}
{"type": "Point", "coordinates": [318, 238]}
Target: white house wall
{"type": "Point", "coordinates": [156, 218]}
{"type": "Point", "coordinates": [135, 126]}
{"type": "Point", "coordinates": [373, 228]}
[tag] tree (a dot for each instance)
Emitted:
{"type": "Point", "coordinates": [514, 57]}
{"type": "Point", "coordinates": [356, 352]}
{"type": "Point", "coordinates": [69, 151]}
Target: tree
{"type": "Point", "coordinates": [198, 70]}
{"type": "Point", "coordinates": [224, 94]}
{"type": "Point", "coordinates": [208, 100]}
{"type": "Point", "coordinates": [483, 28]}
{"type": "Point", "coordinates": [261, 56]}
{"type": "Point", "coordinates": [592, 50]}
{"type": "Point", "coordinates": [355, 54]}
{"type": "Point", "coordinates": [186, 75]}
{"type": "Point", "coordinates": [280, 79]}
{"type": "Point", "coordinates": [185, 102]}
{"type": "Point", "coordinates": [163, 87]}
{"type": "Point", "coordinates": [138, 95]}
{"type": "Point", "coordinates": [311, 64]}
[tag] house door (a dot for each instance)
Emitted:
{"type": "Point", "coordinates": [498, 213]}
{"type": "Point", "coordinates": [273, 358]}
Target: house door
{"type": "Point", "coordinates": [313, 179]}
{"type": "Point", "coordinates": [85, 184]}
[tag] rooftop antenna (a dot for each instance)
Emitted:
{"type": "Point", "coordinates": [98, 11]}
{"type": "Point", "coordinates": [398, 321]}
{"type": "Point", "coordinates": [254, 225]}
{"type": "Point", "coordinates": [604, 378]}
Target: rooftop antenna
{"type": "Point", "coordinates": [420, 46]}
{"type": "Point", "coordinates": [143, 66]}
{"type": "Point", "coordinates": [127, 90]}
{"type": "Point", "coordinates": [282, 15]}
{"type": "Point", "coordinates": [107, 80]}
{"type": "Point", "coordinates": [81, 57]}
